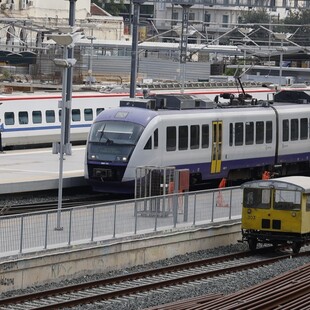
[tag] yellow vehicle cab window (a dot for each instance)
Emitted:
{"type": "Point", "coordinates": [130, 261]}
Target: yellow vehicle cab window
{"type": "Point", "coordinates": [256, 198]}
{"type": "Point", "coordinates": [287, 200]}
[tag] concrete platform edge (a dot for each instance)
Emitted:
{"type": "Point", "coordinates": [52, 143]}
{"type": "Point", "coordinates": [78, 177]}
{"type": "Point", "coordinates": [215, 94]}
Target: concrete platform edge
{"type": "Point", "coordinates": [27, 270]}
{"type": "Point", "coordinates": [41, 185]}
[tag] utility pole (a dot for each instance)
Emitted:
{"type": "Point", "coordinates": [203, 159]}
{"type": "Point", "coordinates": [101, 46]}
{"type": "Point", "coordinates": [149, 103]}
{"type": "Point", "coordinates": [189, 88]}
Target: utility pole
{"type": "Point", "coordinates": [134, 47]}
{"type": "Point", "coordinates": [69, 77]}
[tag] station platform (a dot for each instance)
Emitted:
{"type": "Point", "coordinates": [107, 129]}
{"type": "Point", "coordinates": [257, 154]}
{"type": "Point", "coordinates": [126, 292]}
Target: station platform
{"type": "Point", "coordinates": [38, 169]}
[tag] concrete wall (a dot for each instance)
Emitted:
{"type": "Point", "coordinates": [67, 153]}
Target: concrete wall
{"type": "Point", "coordinates": [25, 271]}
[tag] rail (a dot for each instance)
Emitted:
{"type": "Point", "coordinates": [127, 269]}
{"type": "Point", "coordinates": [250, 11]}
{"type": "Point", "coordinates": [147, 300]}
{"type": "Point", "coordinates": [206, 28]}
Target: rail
{"type": "Point", "coordinates": [37, 231]}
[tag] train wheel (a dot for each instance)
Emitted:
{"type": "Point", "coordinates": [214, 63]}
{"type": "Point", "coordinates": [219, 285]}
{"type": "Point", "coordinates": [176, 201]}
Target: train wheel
{"type": "Point", "coordinates": [296, 247]}
{"type": "Point", "coordinates": [252, 244]}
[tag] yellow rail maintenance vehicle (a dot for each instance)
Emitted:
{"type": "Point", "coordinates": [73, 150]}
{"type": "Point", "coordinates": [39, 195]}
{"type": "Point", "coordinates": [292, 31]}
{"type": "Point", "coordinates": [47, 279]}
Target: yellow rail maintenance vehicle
{"type": "Point", "coordinates": [277, 212]}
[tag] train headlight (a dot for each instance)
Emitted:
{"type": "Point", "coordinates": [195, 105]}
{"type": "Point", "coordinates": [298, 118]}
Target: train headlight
{"type": "Point", "coordinates": [293, 214]}
{"type": "Point", "coordinates": [121, 158]}
{"type": "Point", "coordinates": [249, 211]}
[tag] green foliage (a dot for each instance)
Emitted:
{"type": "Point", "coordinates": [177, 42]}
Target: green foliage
{"type": "Point", "coordinates": [254, 16]}
{"type": "Point", "coordinates": [111, 7]}
{"type": "Point", "coordinates": [302, 32]}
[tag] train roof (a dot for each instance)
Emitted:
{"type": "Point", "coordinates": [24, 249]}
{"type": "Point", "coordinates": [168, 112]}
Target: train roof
{"type": "Point", "coordinates": [292, 96]}
{"type": "Point", "coordinates": [294, 183]}
{"type": "Point", "coordinates": [129, 114]}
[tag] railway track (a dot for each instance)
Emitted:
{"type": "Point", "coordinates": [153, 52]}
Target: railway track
{"type": "Point", "coordinates": [52, 204]}
{"type": "Point", "coordinates": [286, 292]}
{"type": "Point", "coordinates": [111, 290]}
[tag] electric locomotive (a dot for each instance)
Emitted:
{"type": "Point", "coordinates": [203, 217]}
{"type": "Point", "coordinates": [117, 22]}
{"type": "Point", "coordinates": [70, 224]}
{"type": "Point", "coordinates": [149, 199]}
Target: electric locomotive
{"type": "Point", "coordinates": [237, 140]}
{"type": "Point", "coordinates": [277, 212]}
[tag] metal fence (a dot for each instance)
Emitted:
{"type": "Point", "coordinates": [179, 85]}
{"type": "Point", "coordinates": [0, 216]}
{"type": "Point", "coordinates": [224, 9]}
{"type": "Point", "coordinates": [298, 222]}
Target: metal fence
{"type": "Point", "coordinates": [81, 225]}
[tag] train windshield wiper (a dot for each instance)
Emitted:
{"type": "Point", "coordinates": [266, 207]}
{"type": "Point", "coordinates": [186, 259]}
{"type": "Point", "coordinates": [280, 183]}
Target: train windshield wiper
{"type": "Point", "coordinates": [102, 135]}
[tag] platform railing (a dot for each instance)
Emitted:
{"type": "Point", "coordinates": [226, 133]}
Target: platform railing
{"type": "Point", "coordinates": [114, 220]}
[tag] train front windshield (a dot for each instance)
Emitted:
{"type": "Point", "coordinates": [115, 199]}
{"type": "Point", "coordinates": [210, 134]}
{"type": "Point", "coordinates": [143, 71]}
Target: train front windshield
{"type": "Point", "coordinates": [113, 141]}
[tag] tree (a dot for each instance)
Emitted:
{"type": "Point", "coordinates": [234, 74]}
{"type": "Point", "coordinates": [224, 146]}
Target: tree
{"type": "Point", "coordinates": [301, 33]}
{"type": "Point", "coordinates": [110, 6]}
{"type": "Point", "coordinates": [256, 17]}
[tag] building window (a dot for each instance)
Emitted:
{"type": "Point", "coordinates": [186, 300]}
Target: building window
{"type": "Point", "coordinates": [225, 20]}
{"type": "Point", "coordinates": [191, 16]}
{"type": "Point", "coordinates": [207, 19]}
{"type": "Point", "coordinates": [175, 18]}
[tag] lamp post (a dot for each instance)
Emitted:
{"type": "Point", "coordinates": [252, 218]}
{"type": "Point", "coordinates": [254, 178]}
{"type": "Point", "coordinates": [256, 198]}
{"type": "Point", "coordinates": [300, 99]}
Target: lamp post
{"type": "Point", "coordinates": [63, 148]}
{"type": "Point", "coordinates": [90, 61]}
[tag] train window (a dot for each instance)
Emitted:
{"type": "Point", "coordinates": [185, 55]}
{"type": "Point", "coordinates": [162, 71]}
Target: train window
{"type": "Point", "coordinates": [285, 130]}
{"type": "Point", "coordinates": [205, 136]}
{"type": "Point", "coordinates": [195, 137]}
{"type": "Point", "coordinates": [231, 134]}
{"type": "Point", "coordinates": [308, 203]}
{"type": "Point", "coordinates": [287, 200]}
{"type": "Point", "coordinates": [171, 138]}
{"type": "Point", "coordinates": [148, 145]}
{"type": "Point", "coordinates": [23, 117]}
{"type": "Point", "coordinates": [50, 116]}
{"type": "Point", "coordinates": [59, 115]}
{"type": "Point", "coordinates": [303, 128]}
{"type": "Point", "coordinates": [99, 110]}
{"type": "Point", "coordinates": [259, 130]}
{"type": "Point", "coordinates": [294, 129]}
{"type": "Point", "coordinates": [269, 132]}
{"type": "Point", "coordinates": [249, 133]}
{"type": "Point", "coordinates": [256, 198]}
{"type": "Point", "coordinates": [37, 117]}
{"type": "Point", "coordinates": [156, 139]}
{"type": "Point", "coordinates": [9, 118]}
{"type": "Point", "coordinates": [183, 138]}
{"type": "Point", "coordinates": [76, 115]}
{"type": "Point", "coordinates": [88, 114]}
{"type": "Point", "coordinates": [238, 133]}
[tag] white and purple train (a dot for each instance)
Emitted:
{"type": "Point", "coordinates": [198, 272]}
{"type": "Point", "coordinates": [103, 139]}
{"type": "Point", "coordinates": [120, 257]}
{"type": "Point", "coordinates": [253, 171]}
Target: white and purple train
{"type": "Point", "coordinates": [214, 141]}
{"type": "Point", "coordinates": [34, 118]}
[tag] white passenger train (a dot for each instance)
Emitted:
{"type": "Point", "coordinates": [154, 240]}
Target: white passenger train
{"type": "Point", "coordinates": [237, 141]}
{"type": "Point", "coordinates": [34, 118]}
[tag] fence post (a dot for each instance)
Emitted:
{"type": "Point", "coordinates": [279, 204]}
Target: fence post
{"type": "Point", "coordinates": [230, 204]}
{"type": "Point", "coordinates": [93, 225]}
{"type": "Point", "coordinates": [70, 226]}
{"type": "Point", "coordinates": [21, 234]}
{"type": "Point", "coordinates": [195, 200]}
{"type": "Point", "coordinates": [114, 226]}
{"type": "Point", "coordinates": [213, 204]}
{"type": "Point", "coordinates": [46, 230]}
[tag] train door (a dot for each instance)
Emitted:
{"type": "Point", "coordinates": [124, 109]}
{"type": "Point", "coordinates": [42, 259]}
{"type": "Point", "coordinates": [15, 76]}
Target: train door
{"type": "Point", "coordinates": [216, 159]}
